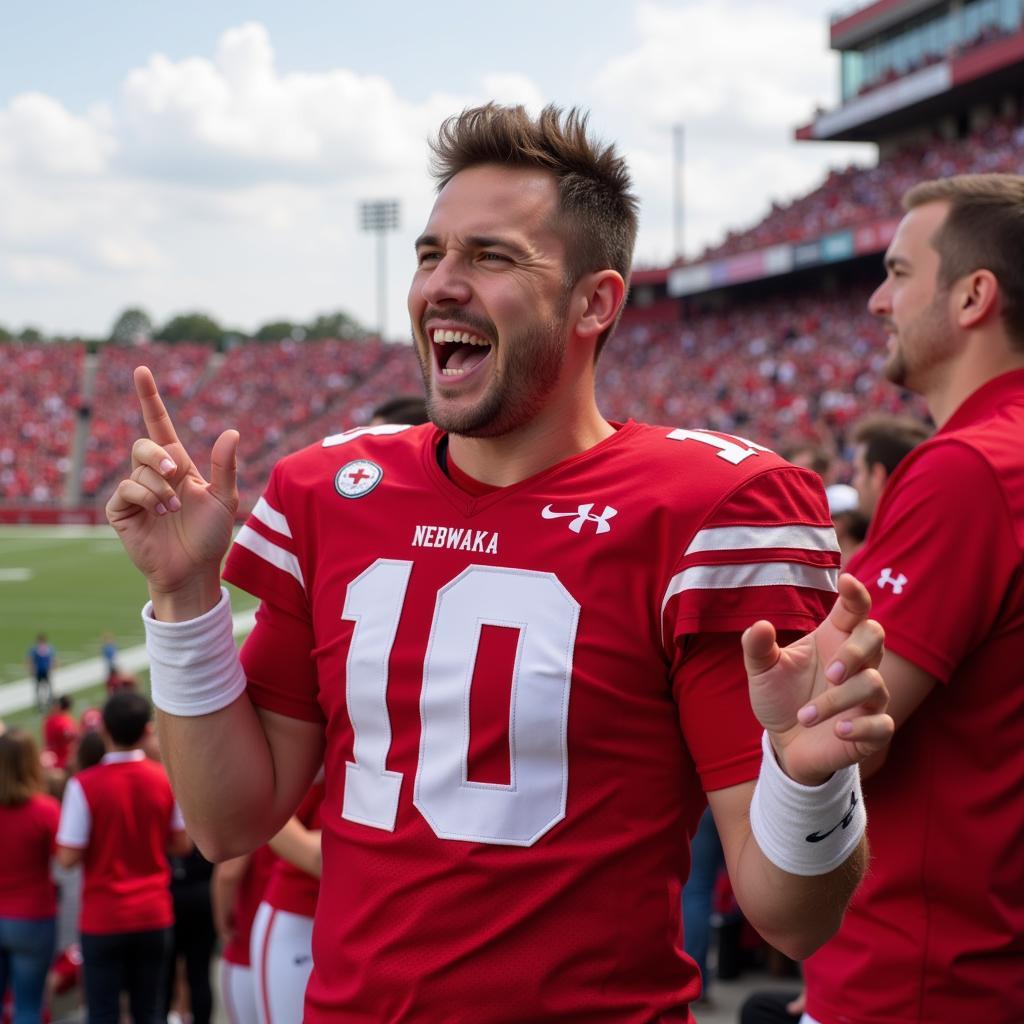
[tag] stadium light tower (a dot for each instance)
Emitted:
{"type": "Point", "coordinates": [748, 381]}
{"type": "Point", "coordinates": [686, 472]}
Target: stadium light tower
{"type": "Point", "coordinates": [379, 216]}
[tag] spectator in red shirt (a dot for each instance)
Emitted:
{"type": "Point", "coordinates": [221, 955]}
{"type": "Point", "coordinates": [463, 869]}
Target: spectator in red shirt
{"type": "Point", "coordinates": [28, 898]}
{"type": "Point", "coordinates": [60, 731]}
{"type": "Point", "coordinates": [119, 819]}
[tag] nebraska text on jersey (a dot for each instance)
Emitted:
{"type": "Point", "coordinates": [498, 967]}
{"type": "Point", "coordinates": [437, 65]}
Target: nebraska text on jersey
{"type": "Point", "coordinates": [457, 539]}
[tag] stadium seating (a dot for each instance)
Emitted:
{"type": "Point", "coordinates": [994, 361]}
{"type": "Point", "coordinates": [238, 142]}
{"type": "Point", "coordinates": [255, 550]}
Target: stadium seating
{"type": "Point", "coordinates": [862, 194]}
{"type": "Point", "coordinates": [39, 400]}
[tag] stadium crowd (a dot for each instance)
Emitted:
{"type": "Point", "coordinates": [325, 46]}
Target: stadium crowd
{"type": "Point", "coordinates": [781, 372]}
{"type": "Point", "coordinates": [858, 195]}
{"type": "Point", "coordinates": [39, 399]}
{"type": "Point", "coordinates": [124, 867]}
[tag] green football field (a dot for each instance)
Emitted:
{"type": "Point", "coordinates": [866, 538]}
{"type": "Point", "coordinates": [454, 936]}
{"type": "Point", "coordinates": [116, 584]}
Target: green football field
{"type": "Point", "coordinates": [74, 584]}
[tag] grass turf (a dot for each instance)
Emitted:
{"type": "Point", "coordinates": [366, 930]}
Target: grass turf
{"type": "Point", "coordinates": [74, 584]}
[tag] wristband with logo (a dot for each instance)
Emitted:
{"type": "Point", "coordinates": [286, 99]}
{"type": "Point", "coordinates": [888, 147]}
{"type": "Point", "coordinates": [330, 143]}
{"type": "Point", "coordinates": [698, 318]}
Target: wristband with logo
{"type": "Point", "coordinates": [806, 830]}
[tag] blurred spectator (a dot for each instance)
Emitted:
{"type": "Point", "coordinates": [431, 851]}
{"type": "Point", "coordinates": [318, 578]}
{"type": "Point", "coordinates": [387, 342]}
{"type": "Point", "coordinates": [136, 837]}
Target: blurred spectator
{"type": "Point", "coordinates": [411, 409]}
{"type": "Point", "coordinates": [91, 720]}
{"type": "Point", "coordinates": [28, 897]}
{"type": "Point", "coordinates": [851, 525]}
{"type": "Point", "coordinates": [42, 660]}
{"type": "Point", "coordinates": [237, 890]}
{"type": "Point", "coordinates": [60, 732]}
{"type": "Point", "coordinates": [282, 931]}
{"type": "Point", "coordinates": [706, 861]}
{"type": "Point", "coordinates": [881, 443]}
{"type": "Point", "coordinates": [119, 820]}
{"type": "Point", "coordinates": [108, 649]}
{"type": "Point", "coordinates": [90, 749]}
{"type": "Point", "coordinates": [194, 934]}
{"type": "Point", "coordinates": [773, 1008]}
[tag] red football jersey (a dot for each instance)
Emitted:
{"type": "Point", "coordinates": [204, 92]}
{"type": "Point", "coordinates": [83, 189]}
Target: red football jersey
{"type": "Point", "coordinates": [525, 694]}
{"type": "Point", "coordinates": [290, 888]}
{"type": "Point", "coordinates": [936, 930]}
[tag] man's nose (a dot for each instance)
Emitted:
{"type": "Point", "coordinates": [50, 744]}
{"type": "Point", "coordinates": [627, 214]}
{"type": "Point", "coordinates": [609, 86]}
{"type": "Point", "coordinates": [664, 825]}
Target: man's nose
{"type": "Point", "coordinates": [879, 303]}
{"type": "Point", "coordinates": [447, 283]}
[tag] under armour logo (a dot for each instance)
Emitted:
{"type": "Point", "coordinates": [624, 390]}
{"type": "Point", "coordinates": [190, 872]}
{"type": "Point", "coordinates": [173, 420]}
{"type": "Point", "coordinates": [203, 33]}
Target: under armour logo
{"type": "Point", "coordinates": [583, 515]}
{"type": "Point", "coordinates": [896, 582]}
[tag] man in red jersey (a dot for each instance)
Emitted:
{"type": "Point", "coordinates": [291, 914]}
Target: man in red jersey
{"type": "Point", "coordinates": [936, 933]}
{"type": "Point", "coordinates": [119, 820]}
{"type": "Point", "coordinates": [513, 638]}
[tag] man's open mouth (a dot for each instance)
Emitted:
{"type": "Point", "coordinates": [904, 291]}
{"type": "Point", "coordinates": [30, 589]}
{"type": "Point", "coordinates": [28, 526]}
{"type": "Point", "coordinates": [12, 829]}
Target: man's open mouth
{"type": "Point", "coordinates": [458, 351]}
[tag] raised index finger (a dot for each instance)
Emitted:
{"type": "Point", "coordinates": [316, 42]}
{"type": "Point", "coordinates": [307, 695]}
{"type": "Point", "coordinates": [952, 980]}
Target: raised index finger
{"type": "Point", "coordinates": [852, 605]}
{"type": "Point", "coordinates": [154, 412]}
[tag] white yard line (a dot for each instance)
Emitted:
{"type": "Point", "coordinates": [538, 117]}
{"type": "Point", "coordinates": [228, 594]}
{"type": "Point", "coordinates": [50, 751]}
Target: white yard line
{"type": "Point", "coordinates": [80, 675]}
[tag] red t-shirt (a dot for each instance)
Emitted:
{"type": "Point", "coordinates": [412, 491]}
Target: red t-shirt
{"type": "Point", "coordinates": [247, 900]}
{"type": "Point", "coordinates": [130, 814]}
{"type": "Point", "coordinates": [60, 731]}
{"type": "Point", "coordinates": [936, 931]}
{"type": "Point", "coordinates": [28, 831]}
{"type": "Point", "coordinates": [525, 694]}
{"type": "Point", "coordinates": [290, 888]}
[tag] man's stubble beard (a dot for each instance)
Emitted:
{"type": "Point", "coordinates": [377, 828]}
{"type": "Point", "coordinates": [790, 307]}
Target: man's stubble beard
{"type": "Point", "coordinates": [921, 346]}
{"type": "Point", "coordinates": [517, 391]}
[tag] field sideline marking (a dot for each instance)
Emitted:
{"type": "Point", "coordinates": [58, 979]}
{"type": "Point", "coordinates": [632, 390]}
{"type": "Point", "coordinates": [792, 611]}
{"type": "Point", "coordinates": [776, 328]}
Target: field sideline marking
{"type": "Point", "coordinates": [80, 675]}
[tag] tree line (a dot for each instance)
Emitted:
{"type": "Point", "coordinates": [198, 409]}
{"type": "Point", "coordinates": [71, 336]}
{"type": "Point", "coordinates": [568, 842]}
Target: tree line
{"type": "Point", "coordinates": [135, 326]}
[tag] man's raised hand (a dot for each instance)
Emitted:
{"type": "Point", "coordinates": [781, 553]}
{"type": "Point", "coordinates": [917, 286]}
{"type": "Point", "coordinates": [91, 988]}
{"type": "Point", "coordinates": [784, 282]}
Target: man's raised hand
{"type": "Point", "coordinates": [174, 524]}
{"type": "Point", "coordinates": [822, 699]}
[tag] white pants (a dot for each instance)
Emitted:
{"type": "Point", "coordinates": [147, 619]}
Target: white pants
{"type": "Point", "coordinates": [238, 993]}
{"type": "Point", "coordinates": [282, 960]}
{"type": "Point", "coordinates": [807, 1019]}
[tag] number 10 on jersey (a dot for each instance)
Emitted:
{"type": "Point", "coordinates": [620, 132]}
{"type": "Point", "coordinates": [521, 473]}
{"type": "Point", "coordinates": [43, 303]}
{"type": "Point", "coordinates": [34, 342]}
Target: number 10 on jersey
{"type": "Point", "coordinates": [546, 616]}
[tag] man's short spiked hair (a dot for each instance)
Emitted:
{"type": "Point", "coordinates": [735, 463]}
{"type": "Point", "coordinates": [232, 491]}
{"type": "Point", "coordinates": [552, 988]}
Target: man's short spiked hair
{"type": "Point", "coordinates": [597, 211]}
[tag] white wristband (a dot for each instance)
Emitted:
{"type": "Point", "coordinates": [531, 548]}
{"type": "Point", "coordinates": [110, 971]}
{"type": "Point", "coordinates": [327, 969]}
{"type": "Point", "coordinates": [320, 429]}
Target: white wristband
{"type": "Point", "coordinates": [194, 667]}
{"type": "Point", "coordinates": [806, 830]}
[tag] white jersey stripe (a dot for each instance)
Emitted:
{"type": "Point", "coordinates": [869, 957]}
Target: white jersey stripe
{"type": "Point", "coordinates": [269, 516]}
{"type": "Point", "coordinates": [277, 556]}
{"type": "Point", "coordinates": [734, 538]}
{"type": "Point", "coordinates": [759, 574]}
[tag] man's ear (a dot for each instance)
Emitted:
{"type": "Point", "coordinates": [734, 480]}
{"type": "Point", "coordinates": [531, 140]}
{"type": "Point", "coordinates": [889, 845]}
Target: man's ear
{"type": "Point", "coordinates": [977, 298]}
{"type": "Point", "coordinates": [597, 298]}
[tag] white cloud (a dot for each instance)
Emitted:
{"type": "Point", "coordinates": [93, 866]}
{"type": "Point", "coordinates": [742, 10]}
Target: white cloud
{"type": "Point", "coordinates": [235, 119]}
{"type": "Point", "coordinates": [221, 181]}
{"type": "Point", "coordinates": [39, 136]}
{"type": "Point", "coordinates": [34, 270]}
{"type": "Point", "coordinates": [512, 87]}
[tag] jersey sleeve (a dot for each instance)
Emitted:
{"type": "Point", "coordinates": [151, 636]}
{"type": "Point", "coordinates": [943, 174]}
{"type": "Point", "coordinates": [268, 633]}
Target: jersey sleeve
{"type": "Point", "coordinates": [279, 666]}
{"type": "Point", "coordinates": [264, 559]}
{"type": "Point", "coordinates": [767, 550]}
{"type": "Point", "coordinates": [723, 736]}
{"type": "Point", "coordinates": [936, 562]}
{"type": "Point", "coordinates": [277, 655]}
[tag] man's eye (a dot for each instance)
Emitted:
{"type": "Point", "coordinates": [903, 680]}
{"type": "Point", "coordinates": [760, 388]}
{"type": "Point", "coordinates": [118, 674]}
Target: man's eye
{"type": "Point", "coordinates": [427, 256]}
{"type": "Point", "coordinates": [492, 256]}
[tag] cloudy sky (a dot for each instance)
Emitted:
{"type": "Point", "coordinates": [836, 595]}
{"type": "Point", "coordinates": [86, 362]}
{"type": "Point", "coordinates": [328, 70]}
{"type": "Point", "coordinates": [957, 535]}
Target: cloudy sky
{"type": "Point", "coordinates": [211, 156]}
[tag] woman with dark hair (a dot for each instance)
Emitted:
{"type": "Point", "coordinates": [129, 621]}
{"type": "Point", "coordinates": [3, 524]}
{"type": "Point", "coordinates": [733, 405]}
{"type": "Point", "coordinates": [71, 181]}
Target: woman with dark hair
{"type": "Point", "coordinates": [28, 897]}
